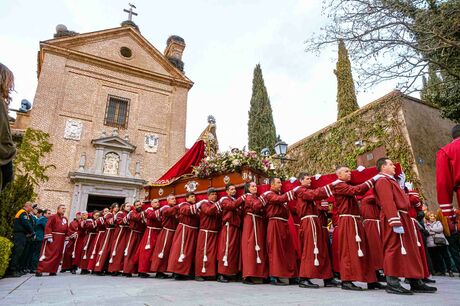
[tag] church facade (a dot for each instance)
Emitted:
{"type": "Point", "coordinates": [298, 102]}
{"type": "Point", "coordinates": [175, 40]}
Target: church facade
{"type": "Point", "coordinates": [115, 109]}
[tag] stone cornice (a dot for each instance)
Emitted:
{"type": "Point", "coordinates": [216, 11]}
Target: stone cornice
{"type": "Point", "coordinates": [79, 177]}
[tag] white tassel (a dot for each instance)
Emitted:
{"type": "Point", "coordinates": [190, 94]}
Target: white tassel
{"type": "Point", "coordinates": [91, 257]}
{"type": "Point", "coordinates": [126, 252]}
{"type": "Point", "coordinates": [181, 258]}
{"type": "Point", "coordinates": [42, 258]}
{"type": "Point", "coordinates": [84, 257]}
{"type": "Point", "coordinates": [160, 255]}
{"type": "Point", "coordinates": [315, 251]}
{"type": "Point", "coordinates": [205, 258]}
{"type": "Point", "coordinates": [97, 264]}
{"type": "Point", "coordinates": [257, 247]}
{"type": "Point", "coordinates": [111, 260]}
{"type": "Point", "coordinates": [100, 252]}
{"type": "Point", "coordinates": [203, 270]}
{"type": "Point", "coordinates": [259, 261]}
{"type": "Point", "coordinates": [403, 250]}
{"type": "Point", "coordinates": [224, 258]}
{"type": "Point", "coordinates": [114, 253]}
{"type": "Point", "coordinates": [316, 262]}
{"type": "Point", "coordinates": [360, 253]}
{"type": "Point", "coordinates": [84, 249]}
{"type": "Point", "coordinates": [73, 254]}
{"type": "Point", "coordinates": [418, 244]}
{"type": "Point", "coordinates": [147, 246]}
{"type": "Point", "coordinates": [226, 263]}
{"type": "Point", "coordinates": [357, 238]}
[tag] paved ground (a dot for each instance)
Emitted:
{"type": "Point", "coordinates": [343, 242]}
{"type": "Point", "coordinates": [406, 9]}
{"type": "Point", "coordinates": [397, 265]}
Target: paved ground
{"type": "Point", "coordinates": [67, 289]}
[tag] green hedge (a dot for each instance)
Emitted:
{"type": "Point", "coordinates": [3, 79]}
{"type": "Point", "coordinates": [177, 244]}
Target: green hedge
{"type": "Point", "coordinates": [5, 251]}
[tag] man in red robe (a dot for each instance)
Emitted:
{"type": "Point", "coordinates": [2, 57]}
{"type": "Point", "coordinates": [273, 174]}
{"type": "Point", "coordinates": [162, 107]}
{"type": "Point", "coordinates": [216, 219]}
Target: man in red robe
{"type": "Point", "coordinates": [253, 247]}
{"type": "Point", "coordinates": [401, 254]}
{"type": "Point", "coordinates": [162, 249]}
{"type": "Point", "coordinates": [281, 253]}
{"type": "Point", "coordinates": [370, 212]}
{"type": "Point", "coordinates": [53, 243]}
{"type": "Point", "coordinates": [448, 173]}
{"type": "Point", "coordinates": [99, 240]}
{"type": "Point", "coordinates": [228, 254]}
{"type": "Point", "coordinates": [355, 261]}
{"type": "Point", "coordinates": [79, 241]}
{"type": "Point", "coordinates": [72, 234]}
{"type": "Point", "coordinates": [120, 235]}
{"type": "Point", "coordinates": [181, 258]}
{"type": "Point", "coordinates": [315, 261]}
{"type": "Point", "coordinates": [90, 241]}
{"type": "Point", "coordinates": [152, 218]}
{"type": "Point", "coordinates": [206, 246]}
{"type": "Point", "coordinates": [103, 254]}
{"type": "Point", "coordinates": [137, 228]}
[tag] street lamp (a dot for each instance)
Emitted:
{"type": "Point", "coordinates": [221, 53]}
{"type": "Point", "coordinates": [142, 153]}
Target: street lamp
{"type": "Point", "coordinates": [281, 151]}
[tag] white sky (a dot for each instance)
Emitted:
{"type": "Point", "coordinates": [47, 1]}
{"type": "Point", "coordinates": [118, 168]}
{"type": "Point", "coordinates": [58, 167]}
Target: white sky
{"type": "Point", "coordinates": [225, 40]}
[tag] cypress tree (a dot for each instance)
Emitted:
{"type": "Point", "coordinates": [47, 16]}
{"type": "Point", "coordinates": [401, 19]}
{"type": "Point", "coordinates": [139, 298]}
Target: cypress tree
{"type": "Point", "coordinates": [346, 96]}
{"type": "Point", "coordinates": [261, 128]}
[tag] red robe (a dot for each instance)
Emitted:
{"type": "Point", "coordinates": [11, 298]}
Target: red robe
{"type": "Point", "coordinates": [370, 212]}
{"type": "Point", "coordinates": [281, 252]}
{"type": "Point", "coordinates": [182, 255]}
{"type": "Point", "coordinates": [51, 252]}
{"type": "Point", "coordinates": [355, 260]}
{"type": "Point", "coordinates": [448, 176]}
{"type": "Point", "coordinates": [160, 254]}
{"type": "Point", "coordinates": [72, 234]}
{"type": "Point", "coordinates": [416, 206]}
{"type": "Point", "coordinates": [79, 244]}
{"type": "Point", "coordinates": [253, 246]}
{"type": "Point", "coordinates": [137, 228]}
{"type": "Point", "coordinates": [401, 257]}
{"type": "Point", "coordinates": [119, 243]}
{"type": "Point", "coordinates": [315, 261]}
{"type": "Point", "coordinates": [206, 245]}
{"type": "Point", "coordinates": [152, 218]}
{"type": "Point", "coordinates": [335, 239]}
{"type": "Point", "coordinates": [103, 253]}
{"type": "Point", "coordinates": [98, 241]}
{"type": "Point", "coordinates": [228, 254]}
{"type": "Point", "coordinates": [91, 232]}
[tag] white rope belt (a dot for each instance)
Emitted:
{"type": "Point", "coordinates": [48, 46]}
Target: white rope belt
{"type": "Point", "coordinates": [256, 247]}
{"type": "Point", "coordinates": [374, 220]}
{"type": "Point", "coordinates": [116, 243]}
{"type": "Point", "coordinates": [315, 237]}
{"type": "Point", "coordinates": [415, 231]}
{"type": "Point", "coordinates": [403, 249]}
{"type": "Point", "coordinates": [205, 257]}
{"type": "Point", "coordinates": [182, 255]}
{"type": "Point", "coordinates": [57, 233]}
{"type": "Point", "coordinates": [254, 215]}
{"type": "Point", "coordinates": [278, 218]}
{"type": "Point", "coordinates": [103, 246]}
{"type": "Point", "coordinates": [147, 245]}
{"type": "Point", "coordinates": [161, 254]}
{"type": "Point", "coordinates": [74, 246]}
{"type": "Point", "coordinates": [357, 238]}
{"type": "Point", "coordinates": [95, 245]}
{"type": "Point", "coordinates": [87, 244]}
{"type": "Point", "coordinates": [225, 258]}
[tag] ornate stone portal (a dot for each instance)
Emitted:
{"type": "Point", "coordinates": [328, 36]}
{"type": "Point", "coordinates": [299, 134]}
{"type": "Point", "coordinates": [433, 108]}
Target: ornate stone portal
{"type": "Point", "coordinates": [109, 175]}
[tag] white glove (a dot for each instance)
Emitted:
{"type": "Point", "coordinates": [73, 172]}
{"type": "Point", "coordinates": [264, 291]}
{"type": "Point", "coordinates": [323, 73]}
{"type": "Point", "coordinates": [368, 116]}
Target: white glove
{"type": "Point", "coordinates": [336, 182]}
{"type": "Point", "coordinates": [398, 229]}
{"type": "Point", "coordinates": [163, 207]}
{"type": "Point", "coordinates": [292, 179]}
{"type": "Point", "coordinates": [409, 186]}
{"type": "Point", "coordinates": [360, 168]}
{"type": "Point", "coordinates": [295, 189]}
{"type": "Point", "coordinates": [50, 240]}
{"type": "Point", "coordinates": [198, 205]}
{"type": "Point", "coordinates": [317, 176]}
{"type": "Point", "coordinates": [376, 177]}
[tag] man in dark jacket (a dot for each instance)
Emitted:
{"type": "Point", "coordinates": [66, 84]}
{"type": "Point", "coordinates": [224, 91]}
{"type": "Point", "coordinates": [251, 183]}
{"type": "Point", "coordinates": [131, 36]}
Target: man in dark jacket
{"type": "Point", "coordinates": [39, 229]}
{"type": "Point", "coordinates": [22, 230]}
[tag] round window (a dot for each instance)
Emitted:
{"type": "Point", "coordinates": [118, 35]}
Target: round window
{"type": "Point", "coordinates": [126, 52]}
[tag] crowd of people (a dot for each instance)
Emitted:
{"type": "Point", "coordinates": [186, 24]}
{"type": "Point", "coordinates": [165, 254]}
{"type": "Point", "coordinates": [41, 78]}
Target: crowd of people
{"type": "Point", "coordinates": [379, 238]}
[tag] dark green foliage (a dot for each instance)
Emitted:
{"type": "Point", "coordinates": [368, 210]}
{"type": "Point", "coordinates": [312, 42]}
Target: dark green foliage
{"type": "Point", "coordinates": [346, 96]}
{"type": "Point", "coordinates": [261, 128]}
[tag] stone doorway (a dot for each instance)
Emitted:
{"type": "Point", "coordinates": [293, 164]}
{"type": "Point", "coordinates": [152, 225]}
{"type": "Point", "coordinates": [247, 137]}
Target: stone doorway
{"type": "Point", "coordinates": [97, 202]}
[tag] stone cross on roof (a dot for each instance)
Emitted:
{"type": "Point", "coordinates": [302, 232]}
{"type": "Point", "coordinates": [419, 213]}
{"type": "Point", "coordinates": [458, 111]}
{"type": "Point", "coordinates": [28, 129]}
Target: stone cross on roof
{"type": "Point", "coordinates": [130, 12]}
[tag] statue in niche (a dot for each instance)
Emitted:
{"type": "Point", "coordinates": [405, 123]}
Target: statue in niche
{"type": "Point", "coordinates": [151, 143]}
{"type": "Point", "coordinates": [111, 163]}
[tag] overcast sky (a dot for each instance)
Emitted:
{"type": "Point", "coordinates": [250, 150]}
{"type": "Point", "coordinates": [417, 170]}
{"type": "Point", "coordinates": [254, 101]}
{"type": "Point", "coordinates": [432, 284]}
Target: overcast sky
{"type": "Point", "coordinates": [225, 40]}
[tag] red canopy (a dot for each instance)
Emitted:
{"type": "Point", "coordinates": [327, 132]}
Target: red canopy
{"type": "Point", "coordinates": [184, 166]}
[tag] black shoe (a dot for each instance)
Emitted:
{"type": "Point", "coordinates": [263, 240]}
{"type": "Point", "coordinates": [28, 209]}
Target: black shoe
{"type": "Point", "coordinates": [161, 275]}
{"type": "Point", "coordinates": [380, 277]}
{"type": "Point", "coordinates": [416, 285]}
{"type": "Point", "coordinates": [116, 273]}
{"type": "Point", "coordinates": [406, 281]}
{"type": "Point", "coordinates": [52, 274]}
{"type": "Point", "coordinates": [180, 277]}
{"type": "Point", "coordinates": [143, 275]}
{"type": "Point", "coordinates": [222, 279]}
{"type": "Point", "coordinates": [38, 274]}
{"type": "Point", "coordinates": [84, 271]}
{"type": "Point", "coordinates": [32, 272]}
{"type": "Point", "coordinates": [277, 282]}
{"type": "Point", "coordinates": [376, 285]}
{"type": "Point", "coordinates": [331, 282]}
{"type": "Point", "coordinates": [248, 281]}
{"type": "Point", "coordinates": [306, 283]}
{"type": "Point", "coordinates": [128, 274]}
{"type": "Point", "coordinates": [63, 271]}
{"type": "Point", "coordinates": [14, 274]}
{"type": "Point", "coordinates": [294, 281]}
{"type": "Point", "coordinates": [398, 290]}
{"type": "Point", "coordinates": [199, 279]}
{"type": "Point", "coordinates": [350, 286]}
{"type": "Point", "coordinates": [99, 273]}
{"type": "Point", "coordinates": [73, 271]}
{"type": "Point", "coordinates": [428, 281]}
{"type": "Point", "coordinates": [451, 274]}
